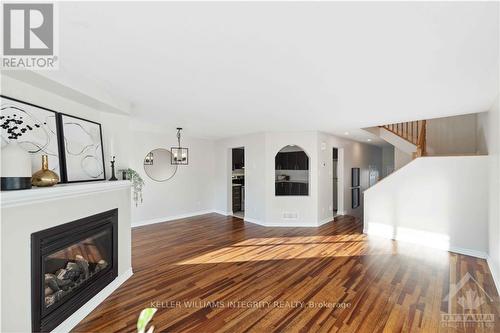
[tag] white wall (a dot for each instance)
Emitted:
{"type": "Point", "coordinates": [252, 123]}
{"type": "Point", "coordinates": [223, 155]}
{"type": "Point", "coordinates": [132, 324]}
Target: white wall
{"type": "Point", "coordinates": [456, 135]}
{"type": "Point", "coordinates": [393, 139]}
{"type": "Point", "coordinates": [262, 206]}
{"type": "Point", "coordinates": [189, 192]}
{"type": "Point", "coordinates": [255, 192]}
{"type": "Point", "coordinates": [113, 125]}
{"type": "Point", "coordinates": [490, 127]}
{"type": "Point", "coordinates": [210, 162]}
{"type": "Point", "coordinates": [388, 165]}
{"type": "Point", "coordinates": [453, 135]}
{"type": "Point", "coordinates": [436, 201]}
{"type": "Point", "coordinates": [353, 155]}
{"type": "Point", "coordinates": [132, 140]}
{"type": "Point", "coordinates": [401, 158]}
{"type": "Point", "coordinates": [304, 206]}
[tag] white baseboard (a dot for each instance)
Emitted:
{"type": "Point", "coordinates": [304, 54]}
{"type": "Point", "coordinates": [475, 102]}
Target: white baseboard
{"type": "Point", "coordinates": [254, 221]}
{"type": "Point", "coordinates": [220, 212]}
{"type": "Point", "coordinates": [296, 225]}
{"type": "Point", "coordinates": [420, 237]}
{"type": "Point", "coordinates": [291, 224]}
{"type": "Point", "coordinates": [326, 220]}
{"type": "Point", "coordinates": [493, 269]}
{"type": "Point", "coordinates": [468, 252]}
{"type": "Point", "coordinates": [170, 218]}
{"type": "Point", "coordinates": [287, 224]}
{"type": "Point", "coordinates": [81, 313]}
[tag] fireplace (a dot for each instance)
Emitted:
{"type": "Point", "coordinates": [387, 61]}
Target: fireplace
{"type": "Point", "coordinates": [70, 264]}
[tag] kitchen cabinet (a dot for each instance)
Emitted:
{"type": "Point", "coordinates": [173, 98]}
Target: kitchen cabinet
{"type": "Point", "coordinates": [278, 188]}
{"type": "Point", "coordinates": [236, 198]}
{"type": "Point", "coordinates": [291, 188]}
{"type": "Point", "coordinates": [304, 189]}
{"type": "Point", "coordinates": [292, 161]}
{"type": "Point", "coordinates": [238, 155]}
{"type": "Point", "coordinates": [280, 161]}
{"type": "Point", "coordinates": [302, 161]}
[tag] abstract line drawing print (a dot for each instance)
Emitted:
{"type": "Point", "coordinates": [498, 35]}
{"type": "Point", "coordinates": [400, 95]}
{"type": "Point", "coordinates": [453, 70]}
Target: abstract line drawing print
{"type": "Point", "coordinates": [82, 149]}
{"type": "Point", "coordinates": [40, 136]}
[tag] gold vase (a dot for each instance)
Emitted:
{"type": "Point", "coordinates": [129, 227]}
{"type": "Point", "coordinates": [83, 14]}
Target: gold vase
{"type": "Point", "coordinates": [45, 177]}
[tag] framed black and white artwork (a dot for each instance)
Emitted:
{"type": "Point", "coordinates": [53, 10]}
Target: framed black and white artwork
{"type": "Point", "coordinates": [355, 177]}
{"type": "Point", "coordinates": [40, 131]}
{"type": "Point", "coordinates": [355, 197]}
{"type": "Point", "coordinates": [81, 149]}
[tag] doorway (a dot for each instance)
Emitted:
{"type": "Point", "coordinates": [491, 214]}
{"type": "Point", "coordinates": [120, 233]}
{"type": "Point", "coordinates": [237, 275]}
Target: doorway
{"type": "Point", "coordinates": [238, 182]}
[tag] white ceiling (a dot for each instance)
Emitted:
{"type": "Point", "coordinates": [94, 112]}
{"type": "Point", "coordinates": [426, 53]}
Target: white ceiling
{"type": "Point", "coordinates": [224, 69]}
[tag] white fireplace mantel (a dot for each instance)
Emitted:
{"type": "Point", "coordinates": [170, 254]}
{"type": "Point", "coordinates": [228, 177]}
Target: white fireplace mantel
{"type": "Point", "coordinates": [24, 212]}
{"type": "Point", "coordinates": [41, 194]}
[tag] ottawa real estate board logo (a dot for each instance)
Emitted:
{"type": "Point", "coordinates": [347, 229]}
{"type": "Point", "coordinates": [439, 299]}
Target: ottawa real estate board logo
{"type": "Point", "coordinates": [469, 307]}
{"type": "Point", "coordinates": [29, 36]}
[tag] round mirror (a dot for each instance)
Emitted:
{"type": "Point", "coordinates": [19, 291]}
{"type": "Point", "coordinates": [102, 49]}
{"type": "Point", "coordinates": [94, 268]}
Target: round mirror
{"type": "Point", "coordinates": [157, 165]}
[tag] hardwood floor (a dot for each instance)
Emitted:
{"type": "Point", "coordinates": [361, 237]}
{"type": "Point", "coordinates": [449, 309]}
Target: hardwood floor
{"type": "Point", "coordinates": [218, 274]}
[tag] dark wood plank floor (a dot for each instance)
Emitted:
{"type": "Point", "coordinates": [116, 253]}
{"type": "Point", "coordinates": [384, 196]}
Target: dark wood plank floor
{"type": "Point", "coordinates": [218, 274]}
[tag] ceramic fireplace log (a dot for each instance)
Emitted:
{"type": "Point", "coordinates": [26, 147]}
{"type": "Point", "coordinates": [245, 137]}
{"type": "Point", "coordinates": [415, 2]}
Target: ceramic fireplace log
{"type": "Point", "coordinates": [65, 279]}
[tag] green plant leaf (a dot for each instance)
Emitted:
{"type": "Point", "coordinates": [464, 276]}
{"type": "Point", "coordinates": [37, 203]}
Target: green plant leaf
{"type": "Point", "coordinates": [144, 318]}
{"type": "Point", "coordinates": [137, 184]}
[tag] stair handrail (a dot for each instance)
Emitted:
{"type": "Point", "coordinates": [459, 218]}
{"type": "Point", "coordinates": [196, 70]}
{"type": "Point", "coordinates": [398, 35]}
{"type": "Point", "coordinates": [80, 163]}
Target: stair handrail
{"type": "Point", "coordinates": [422, 140]}
{"type": "Point", "coordinates": [411, 131]}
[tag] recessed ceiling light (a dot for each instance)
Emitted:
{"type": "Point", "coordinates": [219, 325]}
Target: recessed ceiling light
{"type": "Point", "coordinates": [346, 133]}
{"type": "Point", "coordinates": [369, 140]}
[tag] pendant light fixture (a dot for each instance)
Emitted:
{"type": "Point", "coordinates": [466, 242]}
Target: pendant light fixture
{"type": "Point", "coordinates": [179, 154]}
{"type": "Point", "coordinates": [149, 159]}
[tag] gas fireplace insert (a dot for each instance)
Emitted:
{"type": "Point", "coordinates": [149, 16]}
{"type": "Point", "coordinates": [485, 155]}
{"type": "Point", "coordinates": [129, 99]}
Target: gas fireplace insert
{"type": "Point", "coordinates": [70, 264]}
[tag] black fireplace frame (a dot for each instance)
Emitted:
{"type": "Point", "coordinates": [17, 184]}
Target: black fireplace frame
{"type": "Point", "coordinates": [51, 240]}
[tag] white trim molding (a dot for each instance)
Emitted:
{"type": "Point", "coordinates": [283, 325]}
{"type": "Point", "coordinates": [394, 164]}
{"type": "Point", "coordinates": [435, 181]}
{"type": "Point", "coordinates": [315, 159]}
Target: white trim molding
{"type": "Point", "coordinates": [420, 237]}
{"type": "Point", "coordinates": [287, 224]}
{"type": "Point", "coordinates": [81, 313]}
{"type": "Point", "coordinates": [326, 220]}
{"type": "Point", "coordinates": [61, 191]}
{"type": "Point", "coordinates": [220, 212]}
{"type": "Point", "coordinates": [493, 272]}
{"type": "Point", "coordinates": [170, 218]}
{"type": "Point", "coordinates": [254, 221]}
{"type": "Point", "coordinates": [292, 225]}
{"type": "Point", "coordinates": [468, 252]}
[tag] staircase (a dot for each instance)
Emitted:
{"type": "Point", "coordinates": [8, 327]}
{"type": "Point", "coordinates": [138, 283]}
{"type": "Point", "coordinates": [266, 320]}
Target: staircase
{"type": "Point", "coordinates": [421, 200]}
{"type": "Point", "coordinates": [412, 131]}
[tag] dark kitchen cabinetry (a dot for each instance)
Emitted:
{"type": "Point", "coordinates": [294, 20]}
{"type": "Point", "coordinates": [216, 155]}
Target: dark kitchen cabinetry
{"type": "Point", "coordinates": [291, 188]}
{"type": "Point", "coordinates": [288, 159]}
{"type": "Point", "coordinates": [238, 158]}
{"type": "Point", "coordinates": [302, 161]}
{"type": "Point", "coordinates": [296, 160]}
{"type": "Point", "coordinates": [291, 160]}
{"type": "Point", "coordinates": [236, 198]}
{"type": "Point", "coordinates": [279, 188]}
{"type": "Point", "coordinates": [279, 161]}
